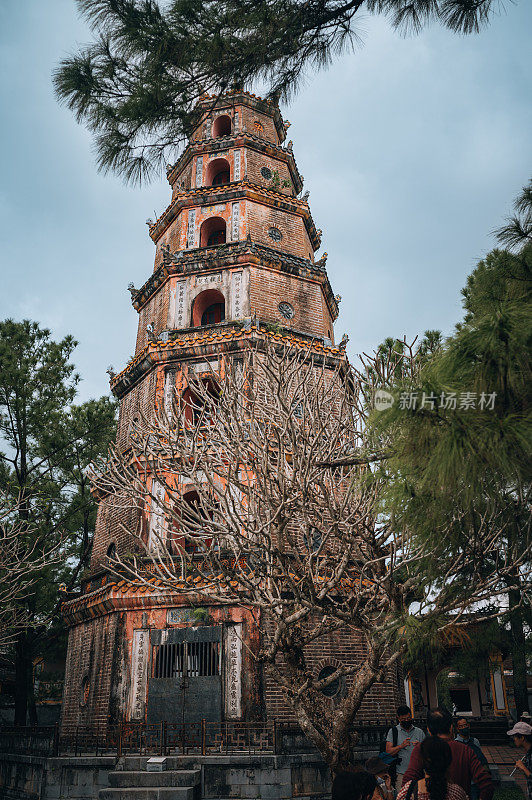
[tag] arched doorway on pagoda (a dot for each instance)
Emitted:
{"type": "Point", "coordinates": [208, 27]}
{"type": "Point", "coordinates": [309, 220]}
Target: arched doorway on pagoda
{"type": "Point", "coordinates": [221, 126]}
{"type": "Point", "coordinates": [208, 308]}
{"type": "Point", "coordinates": [213, 232]}
{"type": "Point", "coordinates": [218, 172]}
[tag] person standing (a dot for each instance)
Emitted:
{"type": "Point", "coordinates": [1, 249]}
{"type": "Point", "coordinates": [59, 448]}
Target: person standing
{"type": "Point", "coordinates": [465, 766]}
{"type": "Point", "coordinates": [521, 733]}
{"type": "Point", "coordinates": [464, 736]}
{"type": "Point", "coordinates": [400, 742]}
{"type": "Point", "coordinates": [436, 759]}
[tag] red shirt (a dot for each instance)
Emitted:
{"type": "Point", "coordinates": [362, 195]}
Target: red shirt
{"type": "Point", "coordinates": [465, 767]}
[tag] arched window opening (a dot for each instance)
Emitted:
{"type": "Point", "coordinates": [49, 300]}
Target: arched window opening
{"type": "Point", "coordinates": [218, 172]}
{"type": "Point", "coordinates": [213, 232]}
{"type": "Point", "coordinates": [85, 691]}
{"type": "Point", "coordinates": [195, 402]}
{"type": "Point", "coordinates": [221, 126]}
{"type": "Point", "coordinates": [208, 308]}
{"type": "Point", "coordinates": [193, 514]}
{"type": "Point", "coordinates": [111, 550]}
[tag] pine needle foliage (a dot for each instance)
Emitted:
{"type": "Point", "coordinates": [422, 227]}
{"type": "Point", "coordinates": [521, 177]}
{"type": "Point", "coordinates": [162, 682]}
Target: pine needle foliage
{"type": "Point", "coordinates": [456, 469]}
{"type": "Point", "coordinates": [137, 84]}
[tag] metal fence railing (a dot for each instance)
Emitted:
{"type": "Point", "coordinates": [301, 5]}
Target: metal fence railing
{"type": "Point", "coordinates": [168, 738]}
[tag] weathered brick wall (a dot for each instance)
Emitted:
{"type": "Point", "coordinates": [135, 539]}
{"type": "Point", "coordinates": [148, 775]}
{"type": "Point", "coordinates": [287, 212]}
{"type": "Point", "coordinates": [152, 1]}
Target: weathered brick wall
{"type": "Point", "coordinates": [257, 160]}
{"type": "Point", "coordinates": [88, 675]}
{"type": "Point", "coordinates": [267, 288]}
{"type": "Point", "coordinates": [249, 119]}
{"type": "Point", "coordinates": [155, 311]}
{"type": "Point", "coordinates": [260, 218]}
{"type": "Point", "coordinates": [348, 648]}
{"type": "Point", "coordinates": [117, 523]}
{"type": "Point", "coordinates": [139, 400]}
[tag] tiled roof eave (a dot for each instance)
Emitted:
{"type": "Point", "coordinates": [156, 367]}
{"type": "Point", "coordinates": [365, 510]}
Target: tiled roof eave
{"type": "Point", "coordinates": [233, 253]}
{"type": "Point", "coordinates": [204, 343]}
{"type": "Point", "coordinates": [236, 139]}
{"type": "Point", "coordinates": [235, 191]}
{"type": "Point", "coordinates": [123, 596]}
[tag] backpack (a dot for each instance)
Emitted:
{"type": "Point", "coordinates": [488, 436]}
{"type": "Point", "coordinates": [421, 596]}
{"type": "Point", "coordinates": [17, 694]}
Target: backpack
{"type": "Point", "coordinates": [479, 754]}
{"type": "Point", "coordinates": [388, 759]}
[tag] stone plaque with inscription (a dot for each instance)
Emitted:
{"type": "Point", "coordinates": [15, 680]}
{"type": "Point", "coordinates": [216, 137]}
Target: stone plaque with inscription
{"type": "Point", "coordinates": [215, 277]}
{"type": "Point", "coordinates": [180, 304]}
{"type": "Point", "coordinates": [139, 672]}
{"type": "Point", "coordinates": [233, 673]}
{"type": "Point", "coordinates": [175, 616]}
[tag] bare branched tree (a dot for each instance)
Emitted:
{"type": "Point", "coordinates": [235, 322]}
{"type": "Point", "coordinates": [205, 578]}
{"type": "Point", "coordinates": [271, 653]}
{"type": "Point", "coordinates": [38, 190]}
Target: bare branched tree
{"type": "Point", "coordinates": [258, 488]}
{"type": "Point", "coordinates": [21, 560]}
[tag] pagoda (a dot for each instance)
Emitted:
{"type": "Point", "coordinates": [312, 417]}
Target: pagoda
{"type": "Point", "coordinates": [235, 259]}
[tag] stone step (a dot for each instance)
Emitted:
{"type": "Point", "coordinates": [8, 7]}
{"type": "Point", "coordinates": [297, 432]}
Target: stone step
{"type": "Point", "coordinates": [180, 762]}
{"type": "Point", "coordinates": [147, 793]}
{"type": "Point", "coordinates": [187, 778]}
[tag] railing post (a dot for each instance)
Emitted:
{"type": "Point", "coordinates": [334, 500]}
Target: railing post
{"type": "Point", "coordinates": [161, 735]}
{"type": "Point", "coordinates": [119, 742]}
{"type": "Point", "coordinates": [203, 738]}
{"type": "Point", "coordinates": [275, 740]}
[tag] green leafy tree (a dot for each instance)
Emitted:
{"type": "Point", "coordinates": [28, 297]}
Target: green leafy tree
{"type": "Point", "coordinates": [455, 469]}
{"type": "Point", "coordinates": [137, 84]}
{"type": "Point", "coordinates": [47, 443]}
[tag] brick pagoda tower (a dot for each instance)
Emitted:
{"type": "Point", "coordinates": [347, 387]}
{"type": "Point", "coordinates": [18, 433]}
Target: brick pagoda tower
{"type": "Point", "coordinates": [234, 251]}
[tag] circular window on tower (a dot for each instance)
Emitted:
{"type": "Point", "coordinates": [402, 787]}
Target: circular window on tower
{"type": "Point", "coordinates": [275, 234]}
{"type": "Point", "coordinates": [332, 689]}
{"type": "Point", "coordinates": [286, 309]}
{"type": "Point", "coordinates": [266, 173]}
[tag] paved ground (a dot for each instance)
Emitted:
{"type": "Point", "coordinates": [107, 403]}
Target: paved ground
{"type": "Point", "coordinates": [505, 758]}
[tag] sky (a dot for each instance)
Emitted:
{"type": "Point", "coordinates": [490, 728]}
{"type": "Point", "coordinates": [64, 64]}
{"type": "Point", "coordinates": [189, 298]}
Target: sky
{"type": "Point", "coordinates": [413, 150]}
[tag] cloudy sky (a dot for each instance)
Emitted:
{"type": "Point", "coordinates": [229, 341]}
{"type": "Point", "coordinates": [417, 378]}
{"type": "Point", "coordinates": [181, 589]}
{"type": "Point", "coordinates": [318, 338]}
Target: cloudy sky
{"type": "Point", "coordinates": [412, 149]}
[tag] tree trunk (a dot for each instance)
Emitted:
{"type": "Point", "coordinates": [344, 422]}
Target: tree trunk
{"type": "Point", "coordinates": [23, 677]}
{"type": "Point", "coordinates": [518, 652]}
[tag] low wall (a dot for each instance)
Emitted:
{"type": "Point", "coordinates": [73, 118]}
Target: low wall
{"type": "Point", "coordinates": [37, 778]}
{"type": "Point", "coordinates": [266, 777]}
{"type": "Point", "coordinates": [223, 777]}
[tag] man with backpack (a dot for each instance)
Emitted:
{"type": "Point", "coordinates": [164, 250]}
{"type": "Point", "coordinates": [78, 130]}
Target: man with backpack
{"type": "Point", "coordinates": [400, 742]}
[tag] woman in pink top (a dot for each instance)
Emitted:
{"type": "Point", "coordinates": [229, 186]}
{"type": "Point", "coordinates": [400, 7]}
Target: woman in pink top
{"type": "Point", "coordinates": [436, 757]}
